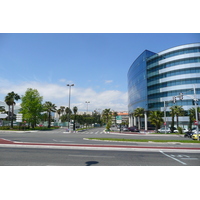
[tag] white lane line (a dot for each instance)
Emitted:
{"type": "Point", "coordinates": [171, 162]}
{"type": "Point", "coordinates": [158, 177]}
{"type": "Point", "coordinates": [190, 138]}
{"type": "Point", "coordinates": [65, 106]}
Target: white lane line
{"type": "Point", "coordinates": [91, 156]}
{"type": "Point", "coordinates": [61, 141]}
{"type": "Point", "coordinates": [173, 158]}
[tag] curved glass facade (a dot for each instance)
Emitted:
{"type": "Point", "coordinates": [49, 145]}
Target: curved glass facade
{"type": "Point", "coordinates": [156, 77]}
{"type": "Point", "coordinates": [137, 82]}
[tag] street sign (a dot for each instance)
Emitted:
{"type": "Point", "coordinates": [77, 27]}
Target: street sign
{"type": "Point", "coordinates": [119, 121]}
{"type": "Point", "coordinates": [195, 122]}
{"type": "Point", "coordinates": [19, 117]}
{"type": "Point", "coordinates": [118, 117]}
{"type": "Point", "coordinates": [165, 123]}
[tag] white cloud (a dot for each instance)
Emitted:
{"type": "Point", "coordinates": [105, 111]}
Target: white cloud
{"type": "Point", "coordinates": [62, 80]}
{"type": "Point", "coordinates": [108, 81]}
{"type": "Point", "coordinates": [113, 99]}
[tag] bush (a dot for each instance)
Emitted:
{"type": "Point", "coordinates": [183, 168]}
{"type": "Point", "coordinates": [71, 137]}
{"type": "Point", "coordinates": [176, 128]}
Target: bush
{"type": "Point", "coordinates": [180, 130]}
{"type": "Point", "coordinates": [4, 127]}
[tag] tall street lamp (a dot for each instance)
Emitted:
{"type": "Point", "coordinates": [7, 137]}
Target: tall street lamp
{"type": "Point", "coordinates": [69, 99]}
{"type": "Point", "coordinates": [87, 104]}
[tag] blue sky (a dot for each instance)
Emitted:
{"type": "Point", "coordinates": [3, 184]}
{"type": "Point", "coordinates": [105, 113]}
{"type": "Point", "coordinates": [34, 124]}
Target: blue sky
{"type": "Point", "coordinates": [96, 63]}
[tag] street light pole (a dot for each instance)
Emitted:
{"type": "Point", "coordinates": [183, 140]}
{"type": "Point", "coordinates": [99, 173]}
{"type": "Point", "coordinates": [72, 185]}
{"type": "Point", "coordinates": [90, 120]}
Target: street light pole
{"type": "Point", "coordinates": [87, 104]}
{"type": "Point", "coordinates": [69, 100]}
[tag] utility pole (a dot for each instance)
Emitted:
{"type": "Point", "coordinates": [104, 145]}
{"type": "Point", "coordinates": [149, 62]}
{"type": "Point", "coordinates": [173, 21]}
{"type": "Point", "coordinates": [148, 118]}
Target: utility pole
{"type": "Point", "coordinates": [69, 100]}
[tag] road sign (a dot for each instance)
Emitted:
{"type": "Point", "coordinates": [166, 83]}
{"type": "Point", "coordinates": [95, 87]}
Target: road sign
{"type": "Point", "coordinates": [19, 117]}
{"type": "Point", "coordinates": [118, 117]}
{"type": "Point", "coordinates": [195, 122]}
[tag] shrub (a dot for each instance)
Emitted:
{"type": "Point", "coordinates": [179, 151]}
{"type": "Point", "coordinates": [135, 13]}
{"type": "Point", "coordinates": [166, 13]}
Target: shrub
{"type": "Point", "coordinates": [4, 127]}
{"type": "Point", "coordinates": [180, 130]}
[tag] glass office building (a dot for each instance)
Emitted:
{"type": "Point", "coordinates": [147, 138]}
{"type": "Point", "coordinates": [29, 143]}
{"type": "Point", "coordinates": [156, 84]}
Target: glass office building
{"type": "Point", "coordinates": [155, 78]}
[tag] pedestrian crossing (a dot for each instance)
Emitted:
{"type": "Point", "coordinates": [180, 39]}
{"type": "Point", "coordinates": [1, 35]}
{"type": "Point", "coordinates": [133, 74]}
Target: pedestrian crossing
{"type": "Point", "coordinates": [87, 132]}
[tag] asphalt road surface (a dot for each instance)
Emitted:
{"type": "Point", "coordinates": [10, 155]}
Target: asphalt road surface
{"type": "Point", "coordinates": [67, 157]}
{"type": "Point", "coordinates": [38, 156]}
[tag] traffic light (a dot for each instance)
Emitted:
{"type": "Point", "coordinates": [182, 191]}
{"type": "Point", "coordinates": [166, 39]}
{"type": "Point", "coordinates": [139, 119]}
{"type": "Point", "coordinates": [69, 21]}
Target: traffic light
{"type": "Point", "coordinates": [193, 102]}
{"type": "Point", "coordinates": [174, 99]}
{"type": "Point", "coordinates": [181, 96]}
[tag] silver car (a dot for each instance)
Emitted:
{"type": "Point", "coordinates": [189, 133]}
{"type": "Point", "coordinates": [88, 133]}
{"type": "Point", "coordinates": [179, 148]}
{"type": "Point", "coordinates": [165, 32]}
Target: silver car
{"type": "Point", "coordinates": [162, 130]}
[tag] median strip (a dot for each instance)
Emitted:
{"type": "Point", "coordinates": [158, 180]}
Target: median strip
{"type": "Point", "coordinates": [144, 140]}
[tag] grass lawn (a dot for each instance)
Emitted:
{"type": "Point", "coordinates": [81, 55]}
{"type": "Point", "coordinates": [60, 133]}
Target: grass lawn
{"type": "Point", "coordinates": [143, 140]}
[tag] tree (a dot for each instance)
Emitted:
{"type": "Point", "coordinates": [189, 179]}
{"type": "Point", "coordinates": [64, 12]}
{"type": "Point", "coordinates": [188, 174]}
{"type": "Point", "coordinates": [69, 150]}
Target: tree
{"type": "Point", "coordinates": [155, 118]}
{"type": "Point", "coordinates": [115, 114]}
{"type": "Point", "coordinates": [172, 115]}
{"type": "Point", "coordinates": [10, 101]}
{"type": "Point", "coordinates": [68, 113]}
{"type": "Point", "coordinates": [58, 112]}
{"type": "Point", "coordinates": [107, 118]}
{"type": "Point", "coordinates": [2, 108]}
{"type": "Point", "coordinates": [31, 106]}
{"type": "Point", "coordinates": [62, 108]}
{"type": "Point", "coordinates": [178, 111]}
{"type": "Point", "coordinates": [49, 107]}
{"type": "Point", "coordinates": [75, 110]}
{"type": "Point", "coordinates": [138, 112]}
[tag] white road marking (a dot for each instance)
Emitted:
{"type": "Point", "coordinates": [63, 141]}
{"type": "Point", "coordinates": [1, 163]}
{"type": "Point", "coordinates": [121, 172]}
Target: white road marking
{"type": "Point", "coordinates": [185, 157]}
{"type": "Point", "coordinates": [91, 156]}
{"type": "Point", "coordinates": [173, 158]}
{"type": "Point", "coordinates": [61, 141]}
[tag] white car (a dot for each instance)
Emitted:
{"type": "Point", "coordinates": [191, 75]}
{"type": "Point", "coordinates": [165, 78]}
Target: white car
{"type": "Point", "coordinates": [162, 130]}
{"type": "Point", "coordinates": [184, 130]}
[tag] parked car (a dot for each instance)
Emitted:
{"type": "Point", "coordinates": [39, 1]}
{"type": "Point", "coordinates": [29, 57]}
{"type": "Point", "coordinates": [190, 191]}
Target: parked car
{"type": "Point", "coordinates": [194, 130]}
{"type": "Point", "coordinates": [194, 136]}
{"type": "Point", "coordinates": [184, 130]}
{"type": "Point", "coordinates": [133, 129]}
{"type": "Point", "coordinates": [125, 128]}
{"type": "Point", "coordinates": [162, 130]}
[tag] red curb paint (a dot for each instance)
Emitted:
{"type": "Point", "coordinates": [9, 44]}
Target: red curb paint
{"type": "Point", "coordinates": [4, 141]}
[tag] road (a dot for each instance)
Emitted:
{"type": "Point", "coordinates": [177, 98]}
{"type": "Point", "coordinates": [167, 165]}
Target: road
{"type": "Point", "coordinates": [112, 153]}
{"type": "Point", "coordinates": [67, 157]}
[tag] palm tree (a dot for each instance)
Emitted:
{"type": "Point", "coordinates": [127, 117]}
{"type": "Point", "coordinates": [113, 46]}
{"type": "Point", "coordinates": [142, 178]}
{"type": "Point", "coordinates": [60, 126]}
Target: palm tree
{"type": "Point", "coordinates": [178, 111]}
{"type": "Point", "coordinates": [172, 114]}
{"type": "Point", "coordinates": [115, 114]}
{"type": "Point", "coordinates": [49, 107]}
{"type": "Point", "coordinates": [62, 108]}
{"type": "Point", "coordinates": [107, 117]}
{"type": "Point", "coordinates": [58, 112]}
{"type": "Point", "coordinates": [138, 112]}
{"type": "Point", "coordinates": [2, 108]}
{"type": "Point", "coordinates": [75, 110]}
{"type": "Point", "coordinates": [10, 101]}
{"type": "Point", "coordinates": [68, 113]}
{"type": "Point", "coordinates": [155, 118]}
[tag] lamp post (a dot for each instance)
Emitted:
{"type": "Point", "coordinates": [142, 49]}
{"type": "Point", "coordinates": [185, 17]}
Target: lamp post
{"type": "Point", "coordinates": [69, 100]}
{"type": "Point", "coordinates": [87, 104]}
